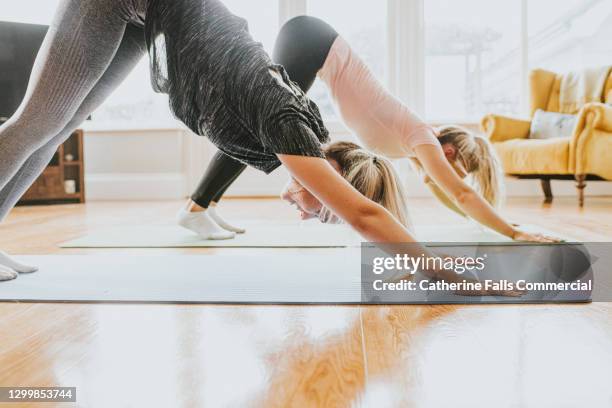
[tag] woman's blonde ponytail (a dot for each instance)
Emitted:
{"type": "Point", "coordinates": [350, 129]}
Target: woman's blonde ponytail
{"type": "Point", "coordinates": [373, 176]}
{"type": "Point", "coordinates": [488, 175]}
{"type": "Point", "coordinates": [478, 157]}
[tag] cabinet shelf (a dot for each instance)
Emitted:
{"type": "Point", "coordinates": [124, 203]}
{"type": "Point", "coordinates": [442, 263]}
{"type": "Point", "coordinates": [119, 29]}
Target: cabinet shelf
{"type": "Point", "coordinates": [50, 187]}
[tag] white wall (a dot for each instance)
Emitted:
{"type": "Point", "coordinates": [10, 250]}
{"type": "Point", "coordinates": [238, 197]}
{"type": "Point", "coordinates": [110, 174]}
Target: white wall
{"type": "Point", "coordinates": [168, 163]}
{"type": "Point", "coordinates": [158, 164]}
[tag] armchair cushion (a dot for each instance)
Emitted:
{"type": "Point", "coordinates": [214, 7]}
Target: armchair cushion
{"type": "Point", "coordinates": [548, 125]}
{"type": "Point", "coordinates": [543, 84]}
{"type": "Point", "coordinates": [535, 156]}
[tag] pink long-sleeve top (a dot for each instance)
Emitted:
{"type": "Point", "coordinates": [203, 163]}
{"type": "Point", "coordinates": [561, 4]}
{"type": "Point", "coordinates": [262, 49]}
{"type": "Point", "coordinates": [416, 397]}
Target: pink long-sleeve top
{"type": "Point", "coordinates": [383, 123]}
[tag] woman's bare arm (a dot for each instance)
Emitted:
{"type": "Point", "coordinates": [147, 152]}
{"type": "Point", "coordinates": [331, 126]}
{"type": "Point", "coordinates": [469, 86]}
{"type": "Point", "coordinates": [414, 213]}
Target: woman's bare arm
{"type": "Point", "coordinates": [442, 197]}
{"type": "Point", "coordinates": [441, 172]}
{"type": "Point", "coordinates": [371, 220]}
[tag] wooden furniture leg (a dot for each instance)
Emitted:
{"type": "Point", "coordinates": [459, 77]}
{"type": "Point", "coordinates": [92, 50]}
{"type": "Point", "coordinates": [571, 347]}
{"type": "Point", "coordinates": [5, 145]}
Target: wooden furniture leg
{"type": "Point", "coordinates": [548, 196]}
{"type": "Point", "coordinates": [580, 185]}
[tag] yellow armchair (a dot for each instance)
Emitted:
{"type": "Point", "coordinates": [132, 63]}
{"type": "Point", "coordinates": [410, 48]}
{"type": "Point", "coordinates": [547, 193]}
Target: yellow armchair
{"type": "Point", "coordinates": [584, 156]}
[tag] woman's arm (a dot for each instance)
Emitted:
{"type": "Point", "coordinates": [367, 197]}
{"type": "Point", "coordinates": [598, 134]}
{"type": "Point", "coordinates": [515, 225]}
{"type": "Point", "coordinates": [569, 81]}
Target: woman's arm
{"type": "Point", "coordinates": [442, 197]}
{"type": "Point", "coordinates": [371, 220]}
{"type": "Point", "coordinates": [441, 172]}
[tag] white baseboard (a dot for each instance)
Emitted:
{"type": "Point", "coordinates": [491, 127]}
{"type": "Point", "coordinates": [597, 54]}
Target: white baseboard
{"type": "Point", "coordinates": [135, 186]}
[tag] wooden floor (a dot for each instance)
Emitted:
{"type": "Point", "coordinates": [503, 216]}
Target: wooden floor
{"type": "Point", "coordinates": [273, 356]}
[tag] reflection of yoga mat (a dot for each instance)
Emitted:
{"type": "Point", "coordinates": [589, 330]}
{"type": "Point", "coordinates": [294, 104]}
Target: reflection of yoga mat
{"type": "Point", "coordinates": [273, 236]}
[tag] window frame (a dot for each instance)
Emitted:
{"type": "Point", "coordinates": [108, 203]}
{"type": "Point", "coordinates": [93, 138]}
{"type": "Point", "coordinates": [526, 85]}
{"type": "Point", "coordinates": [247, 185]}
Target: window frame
{"type": "Point", "coordinates": [406, 52]}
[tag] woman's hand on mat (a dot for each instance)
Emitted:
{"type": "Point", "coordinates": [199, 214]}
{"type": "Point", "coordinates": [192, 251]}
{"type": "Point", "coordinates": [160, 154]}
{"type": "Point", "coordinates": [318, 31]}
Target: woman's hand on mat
{"type": "Point", "coordinates": [491, 292]}
{"type": "Point", "coordinates": [519, 235]}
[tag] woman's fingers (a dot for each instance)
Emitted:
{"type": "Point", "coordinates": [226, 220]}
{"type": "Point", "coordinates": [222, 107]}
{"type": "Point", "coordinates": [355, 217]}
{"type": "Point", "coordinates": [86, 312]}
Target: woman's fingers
{"type": "Point", "coordinates": [509, 293]}
{"type": "Point", "coordinates": [527, 237]}
{"type": "Point", "coordinates": [492, 292]}
{"type": "Point", "coordinates": [547, 238]}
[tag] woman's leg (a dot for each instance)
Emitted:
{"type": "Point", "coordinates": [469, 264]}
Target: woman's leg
{"type": "Point", "coordinates": [220, 175]}
{"type": "Point", "coordinates": [79, 46]}
{"type": "Point", "coordinates": [302, 46]}
{"type": "Point", "coordinates": [201, 216]}
{"type": "Point", "coordinates": [131, 50]}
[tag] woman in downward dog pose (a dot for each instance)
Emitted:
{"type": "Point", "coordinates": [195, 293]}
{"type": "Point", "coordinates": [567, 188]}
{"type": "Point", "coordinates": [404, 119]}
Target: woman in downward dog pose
{"type": "Point", "coordinates": [308, 47]}
{"type": "Point", "coordinates": [220, 83]}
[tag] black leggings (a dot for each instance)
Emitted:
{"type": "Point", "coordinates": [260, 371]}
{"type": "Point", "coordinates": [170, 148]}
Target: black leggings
{"type": "Point", "coordinates": [302, 46]}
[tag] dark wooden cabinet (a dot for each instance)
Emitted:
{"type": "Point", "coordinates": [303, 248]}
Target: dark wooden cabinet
{"type": "Point", "coordinates": [67, 164]}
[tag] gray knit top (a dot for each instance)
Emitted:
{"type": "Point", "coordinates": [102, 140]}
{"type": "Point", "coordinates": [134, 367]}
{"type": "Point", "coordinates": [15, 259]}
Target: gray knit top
{"type": "Point", "coordinates": [223, 85]}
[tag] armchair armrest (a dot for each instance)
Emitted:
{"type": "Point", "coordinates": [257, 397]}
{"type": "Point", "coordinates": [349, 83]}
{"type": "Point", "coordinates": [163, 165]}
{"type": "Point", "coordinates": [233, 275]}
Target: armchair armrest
{"type": "Point", "coordinates": [500, 128]}
{"type": "Point", "coordinates": [594, 121]}
{"type": "Point", "coordinates": [597, 116]}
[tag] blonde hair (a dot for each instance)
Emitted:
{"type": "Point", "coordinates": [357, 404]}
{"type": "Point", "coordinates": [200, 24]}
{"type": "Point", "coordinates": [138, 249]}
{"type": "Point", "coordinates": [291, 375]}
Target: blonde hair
{"type": "Point", "coordinates": [372, 175]}
{"type": "Point", "coordinates": [478, 157]}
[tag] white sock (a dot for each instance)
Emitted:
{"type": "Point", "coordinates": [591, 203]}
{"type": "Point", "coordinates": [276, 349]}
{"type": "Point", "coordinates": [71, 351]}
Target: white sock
{"type": "Point", "coordinates": [222, 223]}
{"type": "Point", "coordinates": [7, 273]}
{"type": "Point", "coordinates": [202, 224]}
{"type": "Point", "coordinates": [6, 260]}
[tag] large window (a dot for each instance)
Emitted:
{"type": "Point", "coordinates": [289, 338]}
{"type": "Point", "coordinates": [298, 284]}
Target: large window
{"type": "Point", "coordinates": [569, 34]}
{"type": "Point", "coordinates": [363, 24]}
{"type": "Point", "coordinates": [472, 58]}
{"type": "Point", "coordinates": [475, 50]}
{"type": "Point", "coordinates": [28, 11]}
{"type": "Point", "coordinates": [451, 60]}
{"type": "Point", "coordinates": [262, 16]}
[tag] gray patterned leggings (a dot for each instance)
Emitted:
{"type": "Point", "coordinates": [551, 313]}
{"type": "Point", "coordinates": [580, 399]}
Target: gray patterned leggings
{"type": "Point", "coordinates": [89, 50]}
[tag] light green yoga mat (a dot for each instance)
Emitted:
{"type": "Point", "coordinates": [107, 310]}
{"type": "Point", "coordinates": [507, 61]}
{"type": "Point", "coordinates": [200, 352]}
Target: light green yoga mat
{"type": "Point", "coordinates": [334, 277]}
{"type": "Point", "coordinates": [276, 236]}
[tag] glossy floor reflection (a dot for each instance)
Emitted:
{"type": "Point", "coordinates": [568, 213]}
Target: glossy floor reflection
{"type": "Point", "coordinates": [225, 356]}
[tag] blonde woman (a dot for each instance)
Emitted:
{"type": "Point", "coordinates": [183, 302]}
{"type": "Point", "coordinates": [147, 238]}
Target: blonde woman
{"type": "Point", "coordinates": [309, 48]}
{"type": "Point", "coordinates": [370, 174]}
